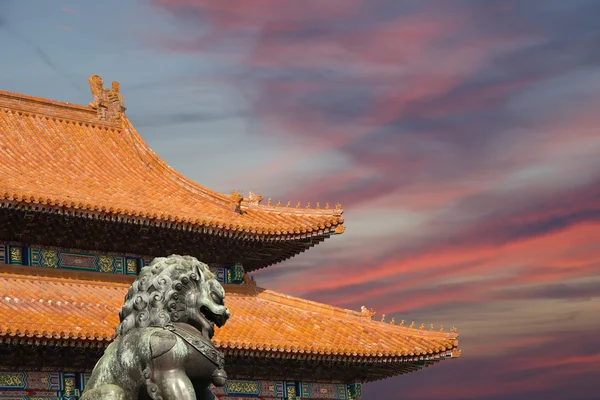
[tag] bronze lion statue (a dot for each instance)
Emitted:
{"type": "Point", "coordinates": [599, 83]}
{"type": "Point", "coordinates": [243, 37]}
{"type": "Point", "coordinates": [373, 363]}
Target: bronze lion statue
{"type": "Point", "coordinates": [163, 349]}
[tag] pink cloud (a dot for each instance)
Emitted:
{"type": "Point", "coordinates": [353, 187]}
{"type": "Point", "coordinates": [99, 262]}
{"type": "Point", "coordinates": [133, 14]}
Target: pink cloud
{"type": "Point", "coordinates": [423, 108]}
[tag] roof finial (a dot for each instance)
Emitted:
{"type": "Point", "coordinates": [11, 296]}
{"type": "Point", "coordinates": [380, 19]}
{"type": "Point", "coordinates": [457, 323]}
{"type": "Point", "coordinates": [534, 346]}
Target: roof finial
{"type": "Point", "coordinates": [412, 324]}
{"type": "Point", "coordinates": [327, 206]}
{"type": "Point", "coordinates": [422, 327]}
{"type": "Point", "coordinates": [278, 204]}
{"type": "Point", "coordinates": [393, 321]}
{"type": "Point", "coordinates": [454, 329]}
{"type": "Point", "coordinates": [431, 327]}
{"type": "Point", "coordinates": [289, 204]}
{"type": "Point", "coordinates": [338, 206]}
{"type": "Point", "coordinates": [402, 323]}
{"type": "Point", "coordinates": [117, 104]}
{"type": "Point", "coordinates": [441, 328]}
{"type": "Point", "coordinates": [108, 103]}
{"type": "Point", "coordinates": [298, 205]}
{"type": "Point", "coordinates": [308, 206]}
{"type": "Point", "coordinates": [269, 202]}
{"type": "Point", "coordinates": [382, 317]}
{"type": "Point", "coordinates": [318, 206]}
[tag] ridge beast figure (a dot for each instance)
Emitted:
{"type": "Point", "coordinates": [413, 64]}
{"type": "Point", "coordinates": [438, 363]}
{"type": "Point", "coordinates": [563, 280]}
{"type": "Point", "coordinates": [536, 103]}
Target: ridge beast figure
{"type": "Point", "coordinates": [162, 349]}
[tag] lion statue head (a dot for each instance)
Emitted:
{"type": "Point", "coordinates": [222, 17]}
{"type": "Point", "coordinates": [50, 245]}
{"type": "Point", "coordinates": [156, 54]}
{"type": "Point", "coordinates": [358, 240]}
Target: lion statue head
{"type": "Point", "coordinates": [174, 289]}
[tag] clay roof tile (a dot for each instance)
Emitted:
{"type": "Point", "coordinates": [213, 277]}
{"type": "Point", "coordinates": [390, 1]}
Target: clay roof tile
{"type": "Point", "coordinates": [83, 163]}
{"type": "Point", "coordinates": [267, 320]}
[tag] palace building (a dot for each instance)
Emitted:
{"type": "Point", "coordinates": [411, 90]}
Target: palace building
{"type": "Point", "coordinates": [85, 204]}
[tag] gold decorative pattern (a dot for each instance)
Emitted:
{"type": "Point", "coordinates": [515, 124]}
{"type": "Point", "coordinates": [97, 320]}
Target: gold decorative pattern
{"type": "Point", "coordinates": [105, 264]}
{"type": "Point", "coordinates": [69, 386]}
{"type": "Point", "coordinates": [49, 258]}
{"type": "Point", "coordinates": [243, 387]}
{"type": "Point", "coordinates": [12, 380]}
{"type": "Point", "coordinates": [131, 266]}
{"type": "Point", "coordinates": [16, 254]}
{"type": "Point", "coordinates": [291, 392]}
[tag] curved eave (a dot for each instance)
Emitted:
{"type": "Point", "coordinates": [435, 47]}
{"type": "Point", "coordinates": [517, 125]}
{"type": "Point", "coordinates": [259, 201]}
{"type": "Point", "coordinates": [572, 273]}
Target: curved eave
{"type": "Point", "coordinates": [28, 202]}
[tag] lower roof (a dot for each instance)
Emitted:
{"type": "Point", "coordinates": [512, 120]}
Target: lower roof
{"type": "Point", "coordinates": [47, 306]}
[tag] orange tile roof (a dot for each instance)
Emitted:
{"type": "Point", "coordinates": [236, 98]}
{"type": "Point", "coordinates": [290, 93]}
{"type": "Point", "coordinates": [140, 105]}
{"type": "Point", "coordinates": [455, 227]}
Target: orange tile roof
{"type": "Point", "coordinates": [75, 309]}
{"type": "Point", "coordinates": [58, 155]}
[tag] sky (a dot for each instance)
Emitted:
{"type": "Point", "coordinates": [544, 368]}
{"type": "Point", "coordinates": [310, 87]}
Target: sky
{"type": "Point", "coordinates": [461, 138]}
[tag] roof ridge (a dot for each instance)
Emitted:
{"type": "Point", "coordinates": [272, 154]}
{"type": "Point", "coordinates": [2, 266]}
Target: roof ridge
{"type": "Point", "coordinates": [299, 211]}
{"type": "Point", "coordinates": [339, 312]}
{"type": "Point", "coordinates": [272, 295]}
{"type": "Point", "coordinates": [42, 106]}
{"type": "Point", "coordinates": [253, 201]}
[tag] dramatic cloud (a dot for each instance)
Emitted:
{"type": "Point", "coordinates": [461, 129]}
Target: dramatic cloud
{"type": "Point", "coordinates": [468, 134]}
{"type": "Point", "coordinates": [460, 136]}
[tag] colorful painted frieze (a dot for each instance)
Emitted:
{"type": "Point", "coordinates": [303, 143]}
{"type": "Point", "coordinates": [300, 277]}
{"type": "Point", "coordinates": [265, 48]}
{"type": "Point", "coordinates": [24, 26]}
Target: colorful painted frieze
{"type": "Point", "coordinates": [108, 263]}
{"type": "Point", "coordinates": [38, 385]}
{"type": "Point", "coordinates": [69, 386]}
{"type": "Point", "coordinates": [252, 389]}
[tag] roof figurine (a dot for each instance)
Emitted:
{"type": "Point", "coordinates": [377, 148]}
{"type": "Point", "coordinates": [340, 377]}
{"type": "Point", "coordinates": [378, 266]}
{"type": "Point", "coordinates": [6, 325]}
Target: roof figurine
{"type": "Point", "coordinates": [366, 312]}
{"type": "Point", "coordinates": [254, 199]}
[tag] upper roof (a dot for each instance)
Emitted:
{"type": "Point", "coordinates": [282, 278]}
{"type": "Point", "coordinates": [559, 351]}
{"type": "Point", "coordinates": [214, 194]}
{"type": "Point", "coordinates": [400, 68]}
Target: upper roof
{"type": "Point", "coordinates": [70, 157]}
{"type": "Point", "coordinates": [262, 322]}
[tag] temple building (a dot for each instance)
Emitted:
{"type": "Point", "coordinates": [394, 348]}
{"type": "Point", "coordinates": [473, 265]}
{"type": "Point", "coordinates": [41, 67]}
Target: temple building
{"type": "Point", "coordinates": [85, 204]}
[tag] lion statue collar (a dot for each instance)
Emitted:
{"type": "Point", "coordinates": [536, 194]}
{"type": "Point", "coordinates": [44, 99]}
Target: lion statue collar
{"type": "Point", "coordinates": [163, 342]}
{"type": "Point", "coordinates": [198, 341]}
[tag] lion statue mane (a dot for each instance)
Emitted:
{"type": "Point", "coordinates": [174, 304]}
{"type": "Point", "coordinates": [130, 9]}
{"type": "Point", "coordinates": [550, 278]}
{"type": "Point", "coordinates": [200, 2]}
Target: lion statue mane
{"type": "Point", "coordinates": [162, 348]}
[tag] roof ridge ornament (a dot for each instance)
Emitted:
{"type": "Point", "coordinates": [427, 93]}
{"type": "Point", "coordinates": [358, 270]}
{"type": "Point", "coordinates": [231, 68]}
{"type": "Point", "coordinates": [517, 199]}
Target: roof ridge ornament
{"type": "Point", "coordinates": [255, 199]}
{"type": "Point", "coordinates": [366, 313]}
{"type": "Point", "coordinates": [108, 103]}
{"type": "Point", "coordinates": [236, 201]}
